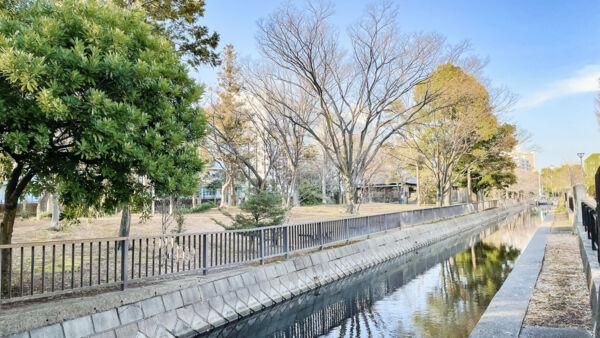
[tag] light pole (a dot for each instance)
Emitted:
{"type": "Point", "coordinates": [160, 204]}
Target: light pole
{"type": "Point", "coordinates": [580, 155]}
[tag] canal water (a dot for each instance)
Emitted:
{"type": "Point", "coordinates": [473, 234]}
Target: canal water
{"type": "Point", "coordinates": [441, 291]}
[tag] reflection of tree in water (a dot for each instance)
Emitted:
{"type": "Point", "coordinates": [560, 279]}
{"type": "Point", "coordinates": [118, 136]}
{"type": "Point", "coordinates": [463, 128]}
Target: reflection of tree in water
{"type": "Point", "coordinates": [468, 283]}
{"type": "Point", "coordinates": [361, 319]}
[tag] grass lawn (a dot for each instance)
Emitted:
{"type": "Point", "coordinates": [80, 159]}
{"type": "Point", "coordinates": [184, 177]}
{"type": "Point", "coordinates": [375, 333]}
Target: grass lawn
{"type": "Point", "coordinates": [27, 230]}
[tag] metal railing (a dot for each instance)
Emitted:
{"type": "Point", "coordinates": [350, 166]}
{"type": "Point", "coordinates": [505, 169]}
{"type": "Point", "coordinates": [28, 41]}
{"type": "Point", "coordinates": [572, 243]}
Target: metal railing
{"type": "Point", "coordinates": [54, 267]}
{"type": "Point", "coordinates": [589, 218]}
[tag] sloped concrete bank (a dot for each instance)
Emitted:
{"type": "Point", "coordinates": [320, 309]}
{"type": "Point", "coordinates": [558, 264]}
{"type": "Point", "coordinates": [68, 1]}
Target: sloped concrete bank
{"type": "Point", "coordinates": [200, 304]}
{"type": "Point", "coordinates": [316, 312]}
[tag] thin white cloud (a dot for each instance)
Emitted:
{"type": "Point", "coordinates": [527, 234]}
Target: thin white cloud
{"type": "Point", "coordinates": [584, 80]}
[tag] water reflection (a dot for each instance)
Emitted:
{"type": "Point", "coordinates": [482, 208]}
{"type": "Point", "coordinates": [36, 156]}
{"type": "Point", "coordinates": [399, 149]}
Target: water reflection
{"type": "Point", "coordinates": [468, 282]}
{"type": "Point", "coordinates": [438, 293]}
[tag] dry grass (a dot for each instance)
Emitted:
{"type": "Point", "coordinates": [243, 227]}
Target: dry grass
{"type": "Point", "coordinates": [27, 230]}
{"type": "Point", "coordinates": [561, 297]}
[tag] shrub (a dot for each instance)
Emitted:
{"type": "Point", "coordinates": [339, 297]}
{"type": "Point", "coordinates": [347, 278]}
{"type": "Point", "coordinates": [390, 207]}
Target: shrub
{"type": "Point", "coordinates": [259, 210]}
{"type": "Point", "coordinates": [310, 194]}
{"type": "Point", "coordinates": [201, 208]}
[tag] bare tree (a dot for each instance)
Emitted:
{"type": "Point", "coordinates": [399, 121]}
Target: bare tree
{"type": "Point", "coordinates": [270, 101]}
{"type": "Point", "coordinates": [363, 95]}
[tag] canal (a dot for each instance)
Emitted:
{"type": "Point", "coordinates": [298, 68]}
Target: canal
{"type": "Point", "coordinates": [441, 291]}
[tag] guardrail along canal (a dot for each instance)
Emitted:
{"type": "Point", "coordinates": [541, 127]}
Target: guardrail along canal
{"type": "Point", "coordinates": [441, 290]}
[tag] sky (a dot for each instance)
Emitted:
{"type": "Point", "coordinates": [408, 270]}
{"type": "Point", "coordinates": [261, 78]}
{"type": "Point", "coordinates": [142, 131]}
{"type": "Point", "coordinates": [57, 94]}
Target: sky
{"type": "Point", "coordinates": [547, 52]}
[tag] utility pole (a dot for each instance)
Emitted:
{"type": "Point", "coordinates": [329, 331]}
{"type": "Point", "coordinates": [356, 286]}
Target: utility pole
{"type": "Point", "coordinates": [580, 155]}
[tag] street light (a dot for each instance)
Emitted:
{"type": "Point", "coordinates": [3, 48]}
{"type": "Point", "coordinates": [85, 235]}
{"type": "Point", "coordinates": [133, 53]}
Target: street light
{"type": "Point", "coordinates": [580, 155]}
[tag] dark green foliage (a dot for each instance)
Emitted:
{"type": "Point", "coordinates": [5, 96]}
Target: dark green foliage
{"type": "Point", "coordinates": [180, 19]}
{"type": "Point", "coordinates": [91, 99]}
{"type": "Point", "coordinates": [214, 185]}
{"type": "Point", "coordinates": [259, 210]}
{"type": "Point", "coordinates": [492, 167]}
{"type": "Point", "coordinates": [200, 208]}
{"type": "Point", "coordinates": [310, 194]}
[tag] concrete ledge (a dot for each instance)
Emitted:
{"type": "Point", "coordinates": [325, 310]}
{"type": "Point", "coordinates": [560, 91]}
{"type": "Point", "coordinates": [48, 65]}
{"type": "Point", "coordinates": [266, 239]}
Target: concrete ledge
{"type": "Point", "coordinates": [553, 332]}
{"type": "Point", "coordinates": [591, 267]}
{"type": "Point", "coordinates": [197, 304]}
{"type": "Point", "coordinates": [504, 315]}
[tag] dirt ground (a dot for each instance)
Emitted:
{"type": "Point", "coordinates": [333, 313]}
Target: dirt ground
{"type": "Point", "coordinates": [28, 230]}
{"type": "Point", "coordinates": [561, 297]}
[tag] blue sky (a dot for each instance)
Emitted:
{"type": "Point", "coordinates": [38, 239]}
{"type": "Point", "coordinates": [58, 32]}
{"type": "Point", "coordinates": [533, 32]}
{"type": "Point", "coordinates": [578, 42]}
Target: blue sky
{"type": "Point", "coordinates": [546, 52]}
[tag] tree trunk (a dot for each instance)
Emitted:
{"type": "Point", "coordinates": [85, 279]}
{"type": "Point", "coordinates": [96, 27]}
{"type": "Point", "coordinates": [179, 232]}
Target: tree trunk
{"type": "Point", "coordinates": [16, 184]}
{"type": "Point", "coordinates": [440, 194]}
{"type": "Point", "coordinates": [24, 208]}
{"type": "Point", "coordinates": [418, 186]}
{"type": "Point", "coordinates": [193, 200]}
{"type": "Point", "coordinates": [350, 194]}
{"type": "Point", "coordinates": [55, 211]}
{"type": "Point", "coordinates": [324, 180]}
{"type": "Point", "coordinates": [6, 230]}
{"type": "Point", "coordinates": [293, 198]}
{"type": "Point", "coordinates": [233, 193]}
{"type": "Point", "coordinates": [125, 225]}
{"type": "Point", "coordinates": [38, 210]}
{"type": "Point", "coordinates": [170, 205]}
{"type": "Point", "coordinates": [225, 192]}
{"type": "Point", "coordinates": [469, 185]}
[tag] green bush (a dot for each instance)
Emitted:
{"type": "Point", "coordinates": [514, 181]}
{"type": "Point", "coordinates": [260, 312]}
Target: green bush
{"type": "Point", "coordinates": [201, 208]}
{"type": "Point", "coordinates": [310, 194]}
{"type": "Point", "coordinates": [260, 210]}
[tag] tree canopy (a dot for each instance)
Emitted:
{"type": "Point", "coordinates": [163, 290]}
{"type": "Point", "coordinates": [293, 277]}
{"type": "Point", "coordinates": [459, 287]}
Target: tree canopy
{"type": "Point", "coordinates": [93, 98]}
{"type": "Point", "coordinates": [451, 125]}
{"type": "Point", "coordinates": [181, 20]}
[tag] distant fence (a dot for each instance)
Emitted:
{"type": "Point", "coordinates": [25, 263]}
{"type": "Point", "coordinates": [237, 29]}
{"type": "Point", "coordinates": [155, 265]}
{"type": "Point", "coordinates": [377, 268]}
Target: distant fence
{"type": "Point", "coordinates": [55, 267]}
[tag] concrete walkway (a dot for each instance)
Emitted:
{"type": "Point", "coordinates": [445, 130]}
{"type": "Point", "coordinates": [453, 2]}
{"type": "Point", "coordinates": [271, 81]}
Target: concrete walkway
{"type": "Point", "coordinates": [545, 291]}
{"type": "Point", "coordinates": [560, 302]}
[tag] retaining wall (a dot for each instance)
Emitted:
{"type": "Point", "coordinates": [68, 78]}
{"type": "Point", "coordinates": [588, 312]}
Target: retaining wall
{"type": "Point", "coordinates": [187, 307]}
{"type": "Point", "coordinates": [591, 268]}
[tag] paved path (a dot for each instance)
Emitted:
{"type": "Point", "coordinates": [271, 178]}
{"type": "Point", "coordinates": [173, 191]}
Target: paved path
{"type": "Point", "coordinates": [560, 304]}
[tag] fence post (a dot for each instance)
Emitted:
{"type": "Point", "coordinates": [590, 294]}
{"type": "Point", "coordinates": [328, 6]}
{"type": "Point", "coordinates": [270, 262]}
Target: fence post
{"type": "Point", "coordinates": [286, 240]}
{"type": "Point", "coordinates": [596, 224]}
{"type": "Point", "coordinates": [204, 254]}
{"type": "Point", "coordinates": [347, 227]}
{"type": "Point", "coordinates": [124, 263]}
{"type": "Point", "coordinates": [385, 223]}
{"type": "Point", "coordinates": [1, 281]}
{"type": "Point", "coordinates": [321, 239]}
{"type": "Point", "coordinates": [262, 246]}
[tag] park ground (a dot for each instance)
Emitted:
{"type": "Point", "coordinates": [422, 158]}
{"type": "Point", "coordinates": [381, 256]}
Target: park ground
{"type": "Point", "coordinates": [30, 229]}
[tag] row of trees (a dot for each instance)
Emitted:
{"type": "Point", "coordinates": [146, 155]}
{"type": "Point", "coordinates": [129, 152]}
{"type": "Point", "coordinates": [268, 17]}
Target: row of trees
{"type": "Point", "coordinates": [410, 96]}
{"type": "Point", "coordinates": [97, 106]}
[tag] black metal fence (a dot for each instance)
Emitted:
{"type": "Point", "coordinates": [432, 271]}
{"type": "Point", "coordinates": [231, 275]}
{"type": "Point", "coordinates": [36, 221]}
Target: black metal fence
{"type": "Point", "coordinates": [48, 268]}
{"type": "Point", "coordinates": [589, 218]}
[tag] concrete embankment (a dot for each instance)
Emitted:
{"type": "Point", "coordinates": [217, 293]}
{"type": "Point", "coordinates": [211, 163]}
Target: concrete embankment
{"type": "Point", "coordinates": [188, 306]}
